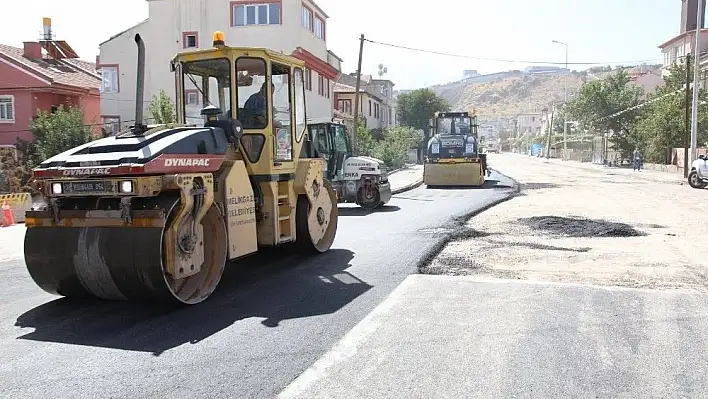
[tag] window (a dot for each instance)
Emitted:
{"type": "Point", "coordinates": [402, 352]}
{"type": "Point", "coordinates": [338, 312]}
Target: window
{"type": "Point", "coordinates": [328, 87]}
{"type": "Point", "coordinates": [111, 124]}
{"type": "Point", "coordinates": [256, 14]}
{"type": "Point", "coordinates": [307, 18]}
{"type": "Point", "coordinates": [191, 97]}
{"type": "Point", "coordinates": [252, 96]}
{"type": "Point", "coordinates": [345, 106]}
{"type": "Point", "coordinates": [340, 139]}
{"type": "Point", "coordinates": [189, 40]}
{"type": "Point", "coordinates": [7, 108]}
{"type": "Point", "coordinates": [319, 28]}
{"type": "Point", "coordinates": [300, 117]}
{"type": "Point", "coordinates": [322, 86]}
{"type": "Point", "coordinates": [369, 107]}
{"type": "Point", "coordinates": [308, 79]}
{"type": "Point", "coordinates": [109, 76]}
{"type": "Point", "coordinates": [282, 109]}
{"type": "Point", "coordinates": [207, 82]}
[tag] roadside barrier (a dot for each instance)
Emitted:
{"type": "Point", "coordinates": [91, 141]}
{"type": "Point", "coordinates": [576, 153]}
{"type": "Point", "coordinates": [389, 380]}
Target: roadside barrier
{"type": "Point", "coordinates": [19, 204]}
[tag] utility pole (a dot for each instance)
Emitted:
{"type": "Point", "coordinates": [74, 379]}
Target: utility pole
{"type": "Point", "coordinates": [565, 100]}
{"type": "Point", "coordinates": [696, 73]}
{"type": "Point", "coordinates": [550, 131]}
{"type": "Point", "coordinates": [687, 119]}
{"type": "Point", "coordinates": [356, 92]}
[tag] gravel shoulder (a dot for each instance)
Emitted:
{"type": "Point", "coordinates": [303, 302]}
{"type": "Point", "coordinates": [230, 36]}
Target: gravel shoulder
{"type": "Point", "coordinates": [584, 226]}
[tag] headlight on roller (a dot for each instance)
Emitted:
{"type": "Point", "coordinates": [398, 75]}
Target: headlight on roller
{"type": "Point", "coordinates": [56, 188]}
{"type": "Point", "coordinates": [126, 186]}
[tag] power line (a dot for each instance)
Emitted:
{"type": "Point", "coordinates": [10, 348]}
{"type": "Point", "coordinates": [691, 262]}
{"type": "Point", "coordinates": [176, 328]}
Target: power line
{"type": "Point", "coordinates": [505, 60]}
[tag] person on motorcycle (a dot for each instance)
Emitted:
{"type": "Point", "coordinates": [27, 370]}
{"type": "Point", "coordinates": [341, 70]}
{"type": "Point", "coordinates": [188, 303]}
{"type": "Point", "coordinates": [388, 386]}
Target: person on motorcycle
{"type": "Point", "coordinates": [637, 158]}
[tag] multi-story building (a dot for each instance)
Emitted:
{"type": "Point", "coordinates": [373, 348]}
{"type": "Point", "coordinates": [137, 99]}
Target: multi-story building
{"type": "Point", "coordinates": [675, 49]}
{"type": "Point", "coordinates": [42, 76]}
{"type": "Point", "coordinates": [529, 123]}
{"type": "Point", "coordinates": [376, 100]}
{"type": "Point", "coordinates": [291, 27]}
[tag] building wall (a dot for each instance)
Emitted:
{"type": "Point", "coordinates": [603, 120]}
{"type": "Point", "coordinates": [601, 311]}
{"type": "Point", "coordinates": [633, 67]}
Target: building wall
{"type": "Point", "coordinates": [367, 109]}
{"type": "Point", "coordinates": [673, 51]}
{"type": "Point", "coordinates": [163, 34]}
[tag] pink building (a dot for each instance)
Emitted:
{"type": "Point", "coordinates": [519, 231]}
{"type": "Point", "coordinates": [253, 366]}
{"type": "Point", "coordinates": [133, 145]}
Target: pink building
{"type": "Point", "coordinates": [42, 76]}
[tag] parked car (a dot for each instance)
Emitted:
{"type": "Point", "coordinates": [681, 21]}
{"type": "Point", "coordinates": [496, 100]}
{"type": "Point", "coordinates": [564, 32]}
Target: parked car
{"type": "Point", "coordinates": [698, 176]}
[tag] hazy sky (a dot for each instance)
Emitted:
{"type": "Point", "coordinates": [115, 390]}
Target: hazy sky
{"type": "Point", "coordinates": [600, 31]}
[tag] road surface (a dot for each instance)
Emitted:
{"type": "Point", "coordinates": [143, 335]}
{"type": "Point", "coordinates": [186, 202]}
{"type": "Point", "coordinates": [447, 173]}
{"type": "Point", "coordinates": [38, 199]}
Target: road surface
{"type": "Point", "coordinates": [269, 320]}
{"type": "Point", "coordinates": [591, 283]}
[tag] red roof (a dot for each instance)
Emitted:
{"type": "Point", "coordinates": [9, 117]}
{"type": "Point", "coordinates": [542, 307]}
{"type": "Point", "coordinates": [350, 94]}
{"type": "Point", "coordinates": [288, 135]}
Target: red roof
{"type": "Point", "coordinates": [69, 72]}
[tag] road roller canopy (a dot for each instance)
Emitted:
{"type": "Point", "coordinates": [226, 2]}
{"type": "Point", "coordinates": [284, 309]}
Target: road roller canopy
{"type": "Point", "coordinates": [455, 123]}
{"type": "Point", "coordinates": [263, 89]}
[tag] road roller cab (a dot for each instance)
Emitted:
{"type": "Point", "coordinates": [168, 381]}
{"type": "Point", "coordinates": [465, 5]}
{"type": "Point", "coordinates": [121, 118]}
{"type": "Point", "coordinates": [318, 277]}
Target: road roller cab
{"type": "Point", "coordinates": [453, 157]}
{"type": "Point", "coordinates": [155, 212]}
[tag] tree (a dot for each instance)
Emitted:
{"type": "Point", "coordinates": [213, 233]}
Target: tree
{"type": "Point", "coordinates": [54, 133]}
{"type": "Point", "coordinates": [596, 103]}
{"type": "Point", "coordinates": [415, 109]}
{"type": "Point", "coordinates": [393, 148]}
{"type": "Point", "coordinates": [364, 141]}
{"type": "Point", "coordinates": [162, 109]}
{"type": "Point", "coordinates": [662, 126]}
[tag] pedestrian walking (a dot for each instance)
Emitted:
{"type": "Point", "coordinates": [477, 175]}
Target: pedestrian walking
{"type": "Point", "coordinates": [637, 160]}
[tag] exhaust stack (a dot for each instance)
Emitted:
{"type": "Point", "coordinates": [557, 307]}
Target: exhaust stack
{"type": "Point", "coordinates": [139, 127]}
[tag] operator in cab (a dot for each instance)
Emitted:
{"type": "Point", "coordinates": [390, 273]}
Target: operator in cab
{"type": "Point", "coordinates": [257, 104]}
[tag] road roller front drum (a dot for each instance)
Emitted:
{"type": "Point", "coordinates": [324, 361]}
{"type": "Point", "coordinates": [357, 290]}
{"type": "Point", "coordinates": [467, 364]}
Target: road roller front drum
{"type": "Point", "coordinates": [128, 263]}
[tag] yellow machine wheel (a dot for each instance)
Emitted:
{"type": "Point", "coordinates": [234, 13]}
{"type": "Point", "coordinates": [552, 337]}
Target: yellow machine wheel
{"type": "Point", "coordinates": [124, 263]}
{"type": "Point", "coordinates": [317, 223]}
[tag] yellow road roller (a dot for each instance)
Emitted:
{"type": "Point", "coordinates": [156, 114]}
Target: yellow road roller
{"type": "Point", "coordinates": [155, 212]}
{"type": "Point", "coordinates": [452, 157]}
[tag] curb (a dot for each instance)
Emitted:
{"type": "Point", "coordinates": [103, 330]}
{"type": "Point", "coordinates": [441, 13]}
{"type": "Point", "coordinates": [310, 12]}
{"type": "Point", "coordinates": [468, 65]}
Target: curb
{"type": "Point", "coordinates": [460, 221]}
{"type": "Point", "coordinates": [408, 187]}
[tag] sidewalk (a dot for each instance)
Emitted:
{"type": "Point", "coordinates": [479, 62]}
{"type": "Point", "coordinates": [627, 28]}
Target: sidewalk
{"type": "Point", "coordinates": [658, 176]}
{"type": "Point", "coordinates": [408, 178]}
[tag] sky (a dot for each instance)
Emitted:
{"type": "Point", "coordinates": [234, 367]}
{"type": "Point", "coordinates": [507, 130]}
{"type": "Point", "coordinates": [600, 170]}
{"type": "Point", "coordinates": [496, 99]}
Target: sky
{"type": "Point", "coordinates": [601, 31]}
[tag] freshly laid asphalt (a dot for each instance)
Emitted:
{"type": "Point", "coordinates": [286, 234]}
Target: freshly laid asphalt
{"type": "Point", "coordinates": [270, 319]}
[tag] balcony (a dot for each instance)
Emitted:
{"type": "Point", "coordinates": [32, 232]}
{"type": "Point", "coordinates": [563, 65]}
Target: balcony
{"type": "Point", "coordinates": [334, 61]}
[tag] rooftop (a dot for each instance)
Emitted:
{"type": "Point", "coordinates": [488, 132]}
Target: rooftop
{"type": "Point", "coordinates": [70, 72]}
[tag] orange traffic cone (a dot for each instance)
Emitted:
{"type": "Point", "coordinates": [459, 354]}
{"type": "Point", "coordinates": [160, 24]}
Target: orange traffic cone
{"type": "Point", "coordinates": [8, 219]}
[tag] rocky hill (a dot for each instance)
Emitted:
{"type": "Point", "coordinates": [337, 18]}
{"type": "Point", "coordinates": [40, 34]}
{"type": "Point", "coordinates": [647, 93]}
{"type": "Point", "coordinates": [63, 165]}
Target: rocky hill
{"type": "Point", "coordinates": [508, 96]}
{"type": "Point", "coordinates": [505, 95]}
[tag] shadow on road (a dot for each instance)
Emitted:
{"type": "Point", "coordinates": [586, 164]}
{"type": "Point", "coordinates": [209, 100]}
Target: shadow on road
{"type": "Point", "coordinates": [359, 211]}
{"type": "Point", "coordinates": [278, 286]}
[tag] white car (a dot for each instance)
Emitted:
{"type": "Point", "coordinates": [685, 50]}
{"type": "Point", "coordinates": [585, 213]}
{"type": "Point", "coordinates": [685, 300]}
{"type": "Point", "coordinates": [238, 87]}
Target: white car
{"type": "Point", "coordinates": [698, 176]}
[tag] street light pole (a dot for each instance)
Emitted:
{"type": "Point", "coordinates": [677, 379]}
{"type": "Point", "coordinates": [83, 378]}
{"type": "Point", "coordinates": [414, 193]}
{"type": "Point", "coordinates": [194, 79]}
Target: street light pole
{"type": "Point", "coordinates": [565, 100]}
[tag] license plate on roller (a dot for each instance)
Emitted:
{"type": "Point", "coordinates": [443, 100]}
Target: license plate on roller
{"type": "Point", "coordinates": [98, 186]}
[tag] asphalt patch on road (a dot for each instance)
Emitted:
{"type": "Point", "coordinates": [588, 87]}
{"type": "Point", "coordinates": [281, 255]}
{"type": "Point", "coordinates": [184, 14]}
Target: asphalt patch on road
{"type": "Point", "coordinates": [456, 229]}
{"type": "Point", "coordinates": [580, 227]}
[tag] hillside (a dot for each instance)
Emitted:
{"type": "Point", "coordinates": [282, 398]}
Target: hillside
{"type": "Point", "coordinates": [508, 96]}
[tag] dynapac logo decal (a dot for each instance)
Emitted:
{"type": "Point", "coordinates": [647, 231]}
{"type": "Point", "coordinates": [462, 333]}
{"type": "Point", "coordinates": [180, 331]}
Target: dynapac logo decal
{"type": "Point", "coordinates": [83, 172]}
{"type": "Point", "coordinates": [170, 162]}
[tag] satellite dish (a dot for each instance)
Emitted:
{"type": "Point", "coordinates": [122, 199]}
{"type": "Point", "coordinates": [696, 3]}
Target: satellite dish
{"type": "Point", "coordinates": [385, 69]}
{"type": "Point", "coordinates": [381, 66]}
